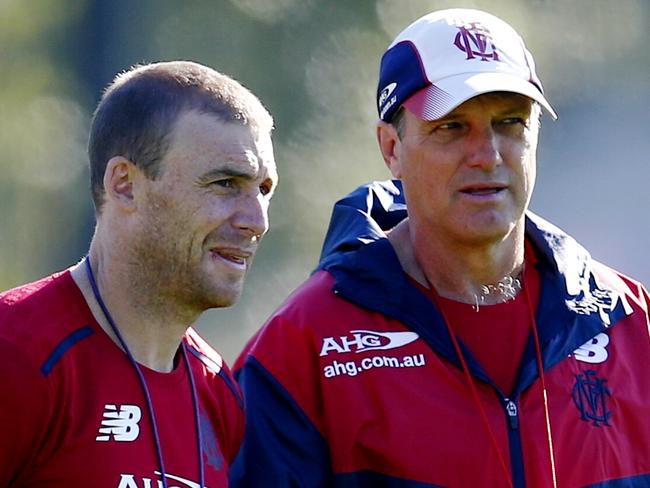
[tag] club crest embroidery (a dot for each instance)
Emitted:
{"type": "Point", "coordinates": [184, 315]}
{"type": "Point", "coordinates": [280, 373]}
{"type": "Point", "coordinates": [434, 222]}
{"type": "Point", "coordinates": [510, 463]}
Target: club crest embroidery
{"type": "Point", "coordinates": [590, 395]}
{"type": "Point", "coordinates": [603, 302]}
{"type": "Point", "coordinates": [475, 41]}
{"type": "Point", "coordinates": [211, 449]}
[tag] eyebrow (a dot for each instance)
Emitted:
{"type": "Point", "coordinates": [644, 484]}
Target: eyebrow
{"type": "Point", "coordinates": [226, 172]}
{"type": "Point", "coordinates": [232, 172]}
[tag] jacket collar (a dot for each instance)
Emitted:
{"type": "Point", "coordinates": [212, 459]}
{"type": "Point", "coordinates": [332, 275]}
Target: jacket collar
{"type": "Point", "coordinates": [575, 303]}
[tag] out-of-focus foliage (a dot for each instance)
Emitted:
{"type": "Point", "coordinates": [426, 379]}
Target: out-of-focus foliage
{"type": "Point", "coordinates": [42, 141]}
{"type": "Point", "coordinates": [314, 64]}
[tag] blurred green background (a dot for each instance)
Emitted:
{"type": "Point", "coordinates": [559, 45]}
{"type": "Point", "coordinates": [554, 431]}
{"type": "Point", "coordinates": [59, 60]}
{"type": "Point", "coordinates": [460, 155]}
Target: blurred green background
{"type": "Point", "coordinates": [314, 64]}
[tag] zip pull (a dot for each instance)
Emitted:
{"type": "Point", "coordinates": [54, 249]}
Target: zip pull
{"type": "Point", "coordinates": [513, 414]}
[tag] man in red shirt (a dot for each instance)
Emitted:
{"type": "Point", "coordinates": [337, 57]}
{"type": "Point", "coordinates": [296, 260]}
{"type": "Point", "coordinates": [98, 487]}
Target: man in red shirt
{"type": "Point", "coordinates": [450, 337]}
{"type": "Point", "coordinates": [105, 383]}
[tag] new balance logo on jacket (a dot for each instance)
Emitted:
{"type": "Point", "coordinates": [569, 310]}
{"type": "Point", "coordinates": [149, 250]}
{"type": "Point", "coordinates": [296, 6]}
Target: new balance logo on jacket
{"type": "Point", "coordinates": [120, 423]}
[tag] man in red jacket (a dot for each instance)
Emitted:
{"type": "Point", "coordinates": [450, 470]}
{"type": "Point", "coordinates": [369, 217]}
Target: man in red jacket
{"type": "Point", "coordinates": [450, 337]}
{"type": "Point", "coordinates": [105, 384]}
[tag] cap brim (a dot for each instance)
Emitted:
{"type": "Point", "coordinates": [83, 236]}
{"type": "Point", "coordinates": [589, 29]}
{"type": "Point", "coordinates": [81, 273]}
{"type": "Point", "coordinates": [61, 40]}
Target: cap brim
{"type": "Point", "coordinates": [437, 100]}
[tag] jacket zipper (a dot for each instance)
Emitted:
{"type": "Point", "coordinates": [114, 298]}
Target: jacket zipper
{"type": "Point", "coordinates": [514, 440]}
{"type": "Point", "coordinates": [513, 413]}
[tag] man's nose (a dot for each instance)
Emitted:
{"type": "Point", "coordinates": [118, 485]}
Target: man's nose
{"type": "Point", "coordinates": [251, 215]}
{"type": "Point", "coordinates": [483, 149]}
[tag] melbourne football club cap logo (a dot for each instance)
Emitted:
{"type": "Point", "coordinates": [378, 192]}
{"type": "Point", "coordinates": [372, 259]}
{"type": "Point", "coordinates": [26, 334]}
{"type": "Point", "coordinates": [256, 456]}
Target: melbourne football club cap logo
{"type": "Point", "coordinates": [447, 57]}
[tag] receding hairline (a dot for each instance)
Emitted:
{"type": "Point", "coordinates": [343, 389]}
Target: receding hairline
{"type": "Point", "coordinates": [138, 109]}
{"type": "Point", "coordinates": [244, 107]}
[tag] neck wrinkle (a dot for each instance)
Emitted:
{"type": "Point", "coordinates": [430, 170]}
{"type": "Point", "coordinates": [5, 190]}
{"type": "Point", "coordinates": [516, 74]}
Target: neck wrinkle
{"type": "Point", "coordinates": [457, 273]}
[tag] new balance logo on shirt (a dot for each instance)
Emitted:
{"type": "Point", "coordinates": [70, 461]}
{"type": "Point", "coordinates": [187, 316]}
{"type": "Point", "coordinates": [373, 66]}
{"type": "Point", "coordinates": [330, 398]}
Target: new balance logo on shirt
{"type": "Point", "coordinates": [120, 423]}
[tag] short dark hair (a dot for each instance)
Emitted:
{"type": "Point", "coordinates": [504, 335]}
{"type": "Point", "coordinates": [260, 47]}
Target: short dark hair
{"type": "Point", "coordinates": [398, 122]}
{"type": "Point", "coordinates": [138, 110]}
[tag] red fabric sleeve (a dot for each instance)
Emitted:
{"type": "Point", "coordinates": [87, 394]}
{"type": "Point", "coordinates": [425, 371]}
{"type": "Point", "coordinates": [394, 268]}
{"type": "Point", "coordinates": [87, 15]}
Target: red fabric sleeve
{"type": "Point", "coordinates": [25, 409]}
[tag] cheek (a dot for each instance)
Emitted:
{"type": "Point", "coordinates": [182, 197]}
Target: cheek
{"type": "Point", "coordinates": [265, 212]}
{"type": "Point", "coordinates": [530, 155]}
{"type": "Point", "coordinates": [413, 165]}
{"type": "Point", "coordinates": [213, 214]}
{"type": "Point", "coordinates": [528, 173]}
{"type": "Point", "coordinates": [182, 221]}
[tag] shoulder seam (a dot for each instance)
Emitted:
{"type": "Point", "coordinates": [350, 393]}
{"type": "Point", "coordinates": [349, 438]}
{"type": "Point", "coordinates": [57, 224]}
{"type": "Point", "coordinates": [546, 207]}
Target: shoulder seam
{"type": "Point", "coordinates": [220, 371]}
{"type": "Point", "coordinates": [64, 346]}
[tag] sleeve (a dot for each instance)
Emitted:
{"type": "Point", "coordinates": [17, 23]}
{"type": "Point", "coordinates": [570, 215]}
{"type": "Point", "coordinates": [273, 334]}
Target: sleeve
{"type": "Point", "coordinates": [24, 410]}
{"type": "Point", "coordinates": [236, 420]}
{"type": "Point", "coordinates": [646, 301]}
{"type": "Point", "coordinates": [282, 446]}
{"type": "Point", "coordinates": [646, 306]}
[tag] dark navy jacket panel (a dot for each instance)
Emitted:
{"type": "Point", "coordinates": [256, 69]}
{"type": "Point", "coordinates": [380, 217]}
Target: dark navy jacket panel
{"type": "Point", "coordinates": [278, 417]}
{"type": "Point", "coordinates": [633, 482]}
{"type": "Point", "coordinates": [376, 480]}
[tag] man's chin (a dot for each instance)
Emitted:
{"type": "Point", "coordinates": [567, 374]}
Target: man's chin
{"type": "Point", "coordinates": [489, 228]}
{"type": "Point", "coordinates": [225, 298]}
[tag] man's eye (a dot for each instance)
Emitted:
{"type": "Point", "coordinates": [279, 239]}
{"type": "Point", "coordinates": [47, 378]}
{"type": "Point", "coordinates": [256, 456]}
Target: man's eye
{"type": "Point", "coordinates": [449, 126]}
{"type": "Point", "coordinates": [512, 120]}
{"type": "Point", "coordinates": [226, 183]}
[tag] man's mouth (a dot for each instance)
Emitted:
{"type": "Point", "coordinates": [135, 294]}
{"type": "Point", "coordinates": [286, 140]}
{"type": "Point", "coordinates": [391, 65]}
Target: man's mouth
{"type": "Point", "coordinates": [238, 257]}
{"type": "Point", "coordinates": [483, 189]}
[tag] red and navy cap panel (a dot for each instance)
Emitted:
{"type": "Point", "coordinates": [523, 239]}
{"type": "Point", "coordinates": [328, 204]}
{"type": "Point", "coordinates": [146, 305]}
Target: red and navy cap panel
{"type": "Point", "coordinates": [401, 74]}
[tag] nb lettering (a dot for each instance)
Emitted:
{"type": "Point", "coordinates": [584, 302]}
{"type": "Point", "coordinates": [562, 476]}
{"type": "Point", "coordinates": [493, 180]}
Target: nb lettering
{"type": "Point", "coordinates": [120, 424]}
{"type": "Point", "coordinates": [593, 351]}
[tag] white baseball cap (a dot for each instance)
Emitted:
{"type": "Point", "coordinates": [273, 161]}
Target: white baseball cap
{"type": "Point", "coordinates": [449, 56]}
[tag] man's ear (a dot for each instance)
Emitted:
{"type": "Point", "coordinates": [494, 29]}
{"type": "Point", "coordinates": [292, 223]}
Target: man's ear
{"type": "Point", "coordinates": [390, 147]}
{"type": "Point", "coordinates": [119, 179]}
